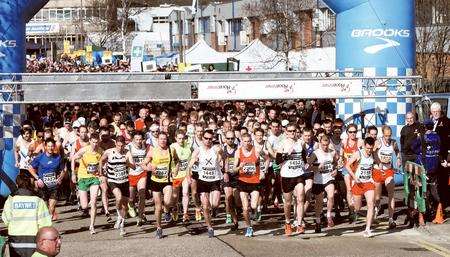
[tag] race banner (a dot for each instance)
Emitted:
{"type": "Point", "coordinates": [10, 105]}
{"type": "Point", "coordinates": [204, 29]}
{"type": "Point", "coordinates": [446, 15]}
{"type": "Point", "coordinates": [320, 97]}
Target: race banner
{"type": "Point", "coordinates": [242, 90]}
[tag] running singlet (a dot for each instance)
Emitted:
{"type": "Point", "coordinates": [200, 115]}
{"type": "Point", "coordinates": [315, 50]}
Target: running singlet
{"type": "Point", "coordinates": [194, 146]}
{"type": "Point", "coordinates": [229, 159]}
{"type": "Point", "coordinates": [208, 165]}
{"type": "Point", "coordinates": [24, 155]}
{"type": "Point", "coordinates": [162, 163]}
{"type": "Point", "coordinates": [323, 175]}
{"type": "Point", "coordinates": [184, 156]}
{"type": "Point", "coordinates": [294, 166]}
{"type": "Point", "coordinates": [250, 172]}
{"type": "Point", "coordinates": [89, 164]}
{"type": "Point", "coordinates": [138, 155]}
{"type": "Point", "coordinates": [349, 150]}
{"type": "Point", "coordinates": [262, 158]}
{"type": "Point", "coordinates": [364, 170]}
{"type": "Point", "coordinates": [116, 168]}
{"type": "Point", "coordinates": [385, 154]}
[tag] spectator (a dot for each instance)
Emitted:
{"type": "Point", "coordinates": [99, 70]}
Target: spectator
{"type": "Point", "coordinates": [48, 242]}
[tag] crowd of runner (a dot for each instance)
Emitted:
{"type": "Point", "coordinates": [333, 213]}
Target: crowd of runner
{"type": "Point", "coordinates": [292, 155]}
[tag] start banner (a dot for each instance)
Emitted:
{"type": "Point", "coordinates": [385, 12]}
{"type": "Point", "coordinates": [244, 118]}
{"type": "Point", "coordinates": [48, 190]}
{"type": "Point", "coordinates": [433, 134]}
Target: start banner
{"type": "Point", "coordinates": [243, 90]}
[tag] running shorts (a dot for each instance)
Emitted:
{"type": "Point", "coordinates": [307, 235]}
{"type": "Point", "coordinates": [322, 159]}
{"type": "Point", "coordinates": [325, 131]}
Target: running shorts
{"type": "Point", "coordinates": [233, 182]}
{"type": "Point", "coordinates": [319, 188]}
{"type": "Point", "coordinates": [248, 187]}
{"type": "Point", "coordinates": [123, 187]}
{"type": "Point", "coordinates": [380, 176]}
{"type": "Point", "coordinates": [288, 184]}
{"type": "Point", "coordinates": [158, 187]}
{"type": "Point", "coordinates": [135, 179]}
{"type": "Point", "coordinates": [85, 183]}
{"type": "Point", "coordinates": [361, 188]}
{"type": "Point", "coordinates": [208, 187]}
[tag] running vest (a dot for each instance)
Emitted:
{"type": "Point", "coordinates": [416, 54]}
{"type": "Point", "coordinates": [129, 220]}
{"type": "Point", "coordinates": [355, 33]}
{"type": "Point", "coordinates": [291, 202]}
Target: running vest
{"type": "Point", "coordinates": [24, 154]}
{"type": "Point", "coordinates": [348, 151]}
{"type": "Point", "coordinates": [323, 175]}
{"type": "Point", "coordinates": [89, 164]}
{"type": "Point", "coordinates": [138, 155]}
{"type": "Point", "coordinates": [208, 165]}
{"type": "Point", "coordinates": [250, 172]}
{"type": "Point", "coordinates": [229, 159]}
{"type": "Point", "coordinates": [364, 169]}
{"type": "Point", "coordinates": [184, 156]}
{"type": "Point", "coordinates": [294, 166]}
{"type": "Point", "coordinates": [162, 163]}
{"type": "Point", "coordinates": [262, 158]}
{"type": "Point", "coordinates": [116, 168]}
{"type": "Point", "coordinates": [194, 146]}
{"type": "Point", "coordinates": [385, 153]}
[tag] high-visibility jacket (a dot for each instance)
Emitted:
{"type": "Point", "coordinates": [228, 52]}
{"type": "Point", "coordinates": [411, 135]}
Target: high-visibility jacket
{"type": "Point", "coordinates": [24, 214]}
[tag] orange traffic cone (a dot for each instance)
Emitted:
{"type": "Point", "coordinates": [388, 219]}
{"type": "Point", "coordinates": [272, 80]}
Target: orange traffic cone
{"type": "Point", "coordinates": [439, 219]}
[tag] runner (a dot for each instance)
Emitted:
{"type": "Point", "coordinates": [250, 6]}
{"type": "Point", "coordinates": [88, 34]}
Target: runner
{"type": "Point", "coordinates": [81, 141]}
{"type": "Point", "coordinates": [324, 163]}
{"type": "Point", "coordinates": [274, 142]}
{"type": "Point", "coordinates": [292, 159]}
{"type": "Point", "coordinates": [22, 152]}
{"type": "Point", "coordinates": [247, 163]}
{"type": "Point", "coordinates": [209, 160]}
{"type": "Point", "coordinates": [117, 177]}
{"type": "Point", "coordinates": [137, 177]}
{"type": "Point", "coordinates": [363, 180]}
{"type": "Point", "coordinates": [196, 142]}
{"type": "Point", "coordinates": [230, 179]}
{"type": "Point", "coordinates": [350, 146]}
{"type": "Point", "coordinates": [88, 176]}
{"type": "Point", "coordinates": [180, 182]}
{"type": "Point", "coordinates": [161, 162]}
{"type": "Point", "coordinates": [309, 146]}
{"type": "Point", "coordinates": [383, 172]}
{"type": "Point", "coordinates": [49, 170]}
{"type": "Point", "coordinates": [261, 147]}
{"type": "Point", "coordinates": [105, 143]}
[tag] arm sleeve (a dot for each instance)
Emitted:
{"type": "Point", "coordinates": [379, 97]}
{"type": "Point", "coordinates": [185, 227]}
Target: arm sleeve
{"type": "Point", "coordinates": [6, 214]}
{"type": "Point", "coordinates": [43, 218]}
{"type": "Point", "coordinates": [35, 162]}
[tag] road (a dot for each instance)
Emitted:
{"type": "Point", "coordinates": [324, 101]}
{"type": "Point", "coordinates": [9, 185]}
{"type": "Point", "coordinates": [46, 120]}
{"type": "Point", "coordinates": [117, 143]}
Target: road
{"type": "Point", "coordinates": [191, 240]}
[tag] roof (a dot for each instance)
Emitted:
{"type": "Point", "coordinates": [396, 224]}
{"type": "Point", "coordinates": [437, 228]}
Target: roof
{"type": "Point", "coordinates": [256, 56]}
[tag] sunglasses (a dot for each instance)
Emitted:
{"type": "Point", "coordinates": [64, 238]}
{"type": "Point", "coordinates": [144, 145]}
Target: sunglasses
{"type": "Point", "coordinates": [290, 130]}
{"type": "Point", "coordinates": [352, 132]}
{"type": "Point", "coordinates": [208, 138]}
{"type": "Point", "coordinates": [230, 138]}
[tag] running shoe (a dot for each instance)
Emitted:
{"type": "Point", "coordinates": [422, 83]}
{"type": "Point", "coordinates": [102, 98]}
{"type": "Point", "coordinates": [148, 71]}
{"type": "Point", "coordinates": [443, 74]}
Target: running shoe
{"type": "Point", "coordinates": [318, 228]}
{"type": "Point", "coordinates": [159, 233]}
{"type": "Point", "coordinates": [258, 216]}
{"type": "Point", "coordinates": [84, 213]}
{"type": "Point", "coordinates": [144, 219]}
{"type": "Point", "coordinates": [353, 217]}
{"type": "Point", "coordinates": [198, 215]}
{"type": "Point", "coordinates": [367, 234]}
{"type": "Point", "coordinates": [117, 224]}
{"type": "Point", "coordinates": [175, 216]}
{"type": "Point", "coordinates": [392, 224]}
{"type": "Point", "coordinates": [131, 211]}
{"type": "Point", "coordinates": [210, 232]}
{"type": "Point", "coordinates": [139, 222]}
{"type": "Point", "coordinates": [167, 217]}
{"type": "Point", "coordinates": [186, 218]}
{"type": "Point", "coordinates": [330, 222]}
{"type": "Point", "coordinates": [108, 217]}
{"type": "Point", "coordinates": [300, 229]}
{"type": "Point", "coordinates": [229, 219]}
{"type": "Point", "coordinates": [92, 230]}
{"type": "Point", "coordinates": [249, 232]}
{"type": "Point", "coordinates": [122, 232]}
{"type": "Point", "coordinates": [235, 226]}
{"type": "Point", "coordinates": [287, 229]}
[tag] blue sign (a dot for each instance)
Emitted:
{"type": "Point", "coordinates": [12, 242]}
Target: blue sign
{"type": "Point", "coordinates": [376, 34]}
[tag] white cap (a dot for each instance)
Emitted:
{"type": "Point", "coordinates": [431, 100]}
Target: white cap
{"type": "Point", "coordinates": [284, 123]}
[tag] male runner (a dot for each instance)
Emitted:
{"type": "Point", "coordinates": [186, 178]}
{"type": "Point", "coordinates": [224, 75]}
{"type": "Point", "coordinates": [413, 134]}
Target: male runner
{"type": "Point", "coordinates": [230, 178]}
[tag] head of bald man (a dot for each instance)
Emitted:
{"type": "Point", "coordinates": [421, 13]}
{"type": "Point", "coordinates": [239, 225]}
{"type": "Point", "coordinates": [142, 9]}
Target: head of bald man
{"type": "Point", "coordinates": [48, 241]}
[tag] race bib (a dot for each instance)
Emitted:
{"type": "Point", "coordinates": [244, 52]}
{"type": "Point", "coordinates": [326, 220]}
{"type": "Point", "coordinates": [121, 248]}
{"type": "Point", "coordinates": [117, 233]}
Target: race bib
{"type": "Point", "coordinates": [121, 174]}
{"type": "Point", "coordinates": [183, 165]}
{"type": "Point", "coordinates": [195, 167]}
{"type": "Point", "coordinates": [50, 180]}
{"type": "Point", "coordinates": [230, 165]}
{"type": "Point", "coordinates": [249, 169]}
{"type": "Point", "coordinates": [92, 168]}
{"type": "Point", "coordinates": [296, 164]}
{"type": "Point", "coordinates": [162, 172]}
{"type": "Point", "coordinates": [385, 157]}
{"type": "Point", "coordinates": [327, 167]}
{"type": "Point", "coordinates": [365, 173]}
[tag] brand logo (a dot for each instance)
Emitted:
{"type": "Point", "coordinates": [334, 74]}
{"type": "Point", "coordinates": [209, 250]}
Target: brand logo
{"type": "Point", "coordinates": [7, 44]}
{"type": "Point", "coordinates": [381, 34]}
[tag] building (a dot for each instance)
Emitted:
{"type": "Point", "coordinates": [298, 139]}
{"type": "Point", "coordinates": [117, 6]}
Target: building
{"type": "Point", "coordinates": [230, 26]}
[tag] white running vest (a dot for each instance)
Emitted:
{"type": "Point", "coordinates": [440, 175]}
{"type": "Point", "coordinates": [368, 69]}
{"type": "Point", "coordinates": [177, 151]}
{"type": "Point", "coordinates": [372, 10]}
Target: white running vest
{"type": "Point", "coordinates": [323, 175]}
{"type": "Point", "coordinates": [294, 166]}
{"type": "Point", "coordinates": [208, 165]}
{"type": "Point", "coordinates": [138, 156]}
{"type": "Point", "coordinates": [364, 171]}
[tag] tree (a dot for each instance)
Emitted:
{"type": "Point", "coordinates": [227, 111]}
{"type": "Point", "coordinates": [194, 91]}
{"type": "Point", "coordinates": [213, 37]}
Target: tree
{"type": "Point", "coordinates": [281, 21]}
{"type": "Point", "coordinates": [433, 44]}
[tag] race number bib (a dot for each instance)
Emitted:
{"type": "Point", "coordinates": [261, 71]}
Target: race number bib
{"type": "Point", "coordinates": [50, 180]}
{"type": "Point", "coordinates": [385, 157]}
{"type": "Point", "coordinates": [121, 174]}
{"type": "Point", "coordinates": [195, 167]}
{"type": "Point", "coordinates": [183, 165]}
{"type": "Point", "coordinates": [162, 172]}
{"type": "Point", "coordinates": [365, 173]}
{"type": "Point", "coordinates": [249, 169]}
{"type": "Point", "coordinates": [327, 167]}
{"type": "Point", "coordinates": [92, 168]}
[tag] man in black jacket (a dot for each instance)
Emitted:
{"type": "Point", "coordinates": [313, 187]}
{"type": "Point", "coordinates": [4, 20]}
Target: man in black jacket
{"type": "Point", "coordinates": [407, 136]}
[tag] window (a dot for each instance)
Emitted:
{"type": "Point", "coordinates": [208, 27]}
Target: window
{"type": "Point", "coordinates": [45, 14]}
{"type": "Point", "coordinates": [52, 14]}
{"type": "Point", "coordinates": [204, 25]}
{"type": "Point", "coordinates": [59, 15]}
{"type": "Point", "coordinates": [67, 14]}
{"type": "Point", "coordinates": [235, 26]}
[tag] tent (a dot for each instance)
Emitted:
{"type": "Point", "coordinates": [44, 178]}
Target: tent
{"type": "Point", "coordinates": [313, 59]}
{"type": "Point", "coordinates": [202, 53]}
{"type": "Point", "coordinates": [258, 57]}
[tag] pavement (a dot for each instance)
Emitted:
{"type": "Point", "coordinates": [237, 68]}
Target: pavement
{"type": "Point", "coordinates": [269, 240]}
{"type": "Point", "coordinates": [192, 241]}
